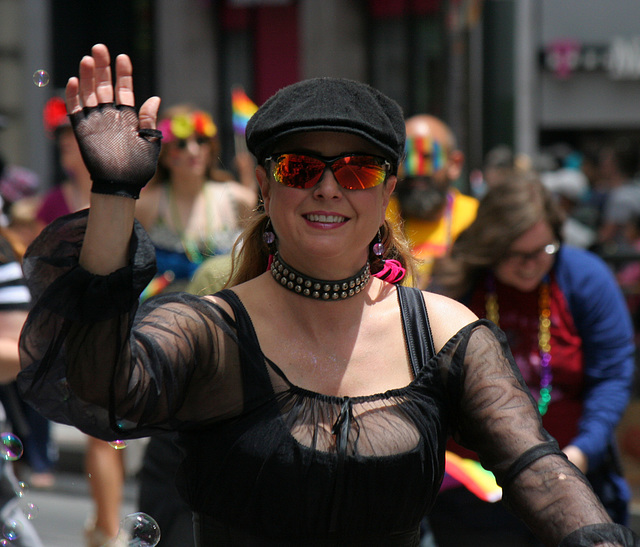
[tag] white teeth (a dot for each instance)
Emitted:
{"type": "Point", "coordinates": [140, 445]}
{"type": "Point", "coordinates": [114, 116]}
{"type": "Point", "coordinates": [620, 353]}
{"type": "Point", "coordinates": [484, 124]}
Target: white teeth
{"type": "Point", "coordinates": [325, 218]}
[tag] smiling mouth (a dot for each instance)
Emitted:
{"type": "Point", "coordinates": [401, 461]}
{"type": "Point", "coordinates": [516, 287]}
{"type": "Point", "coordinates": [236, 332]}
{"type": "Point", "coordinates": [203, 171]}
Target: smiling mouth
{"type": "Point", "coordinates": [327, 219]}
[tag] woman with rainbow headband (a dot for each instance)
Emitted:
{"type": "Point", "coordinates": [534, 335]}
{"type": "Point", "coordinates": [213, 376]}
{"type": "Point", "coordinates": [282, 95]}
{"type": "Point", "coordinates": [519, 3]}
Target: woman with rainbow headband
{"type": "Point", "coordinates": [192, 209]}
{"type": "Point", "coordinates": [313, 398]}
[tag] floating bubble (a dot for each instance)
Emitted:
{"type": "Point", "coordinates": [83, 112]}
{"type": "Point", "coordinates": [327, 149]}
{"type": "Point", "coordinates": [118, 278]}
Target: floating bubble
{"type": "Point", "coordinates": [118, 445]}
{"type": "Point", "coordinates": [41, 77]}
{"type": "Point", "coordinates": [10, 447]}
{"type": "Point", "coordinates": [30, 510]}
{"type": "Point", "coordinates": [12, 530]}
{"type": "Point", "coordinates": [22, 489]}
{"type": "Point", "coordinates": [140, 530]}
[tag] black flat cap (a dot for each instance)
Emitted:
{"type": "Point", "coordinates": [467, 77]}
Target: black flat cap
{"type": "Point", "coordinates": [328, 104]}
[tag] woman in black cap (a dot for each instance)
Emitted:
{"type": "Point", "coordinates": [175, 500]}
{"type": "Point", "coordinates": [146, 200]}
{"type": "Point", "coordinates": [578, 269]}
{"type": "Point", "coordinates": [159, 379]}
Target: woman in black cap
{"type": "Point", "coordinates": [313, 400]}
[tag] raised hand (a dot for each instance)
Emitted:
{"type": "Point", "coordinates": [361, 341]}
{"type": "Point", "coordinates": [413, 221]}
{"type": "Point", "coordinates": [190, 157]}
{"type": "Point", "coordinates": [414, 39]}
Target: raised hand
{"type": "Point", "coordinates": [119, 147]}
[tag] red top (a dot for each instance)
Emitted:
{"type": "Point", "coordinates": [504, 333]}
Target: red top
{"type": "Point", "coordinates": [519, 318]}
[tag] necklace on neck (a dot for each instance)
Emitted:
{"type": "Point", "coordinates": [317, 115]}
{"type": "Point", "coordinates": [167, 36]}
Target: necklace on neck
{"type": "Point", "coordinates": [318, 289]}
{"type": "Point", "coordinates": [544, 336]}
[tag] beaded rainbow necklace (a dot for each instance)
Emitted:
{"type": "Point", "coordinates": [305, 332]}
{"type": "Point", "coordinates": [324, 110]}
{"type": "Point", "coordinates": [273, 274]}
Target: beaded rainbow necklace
{"type": "Point", "coordinates": [544, 336]}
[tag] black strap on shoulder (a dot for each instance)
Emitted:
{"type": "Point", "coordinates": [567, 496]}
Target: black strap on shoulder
{"type": "Point", "coordinates": [415, 323]}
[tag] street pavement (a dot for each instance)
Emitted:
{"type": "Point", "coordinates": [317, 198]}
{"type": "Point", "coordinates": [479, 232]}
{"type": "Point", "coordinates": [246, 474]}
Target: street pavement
{"type": "Point", "coordinates": [63, 510]}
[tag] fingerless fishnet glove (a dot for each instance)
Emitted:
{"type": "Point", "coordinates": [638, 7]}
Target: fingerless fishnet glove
{"type": "Point", "coordinates": [120, 156]}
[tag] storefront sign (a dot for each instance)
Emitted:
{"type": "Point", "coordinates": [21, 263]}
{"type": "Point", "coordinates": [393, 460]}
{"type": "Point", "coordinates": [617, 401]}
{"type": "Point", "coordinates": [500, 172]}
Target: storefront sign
{"type": "Point", "coordinates": [620, 59]}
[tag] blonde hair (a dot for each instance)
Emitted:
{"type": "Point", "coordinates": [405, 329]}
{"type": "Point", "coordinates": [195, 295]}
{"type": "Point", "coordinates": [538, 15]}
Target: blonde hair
{"type": "Point", "coordinates": [505, 213]}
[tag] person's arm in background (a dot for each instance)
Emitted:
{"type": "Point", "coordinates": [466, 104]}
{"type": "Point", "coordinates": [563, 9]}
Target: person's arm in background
{"type": "Point", "coordinates": [10, 326]}
{"type": "Point", "coordinates": [602, 318]}
{"type": "Point", "coordinates": [15, 301]}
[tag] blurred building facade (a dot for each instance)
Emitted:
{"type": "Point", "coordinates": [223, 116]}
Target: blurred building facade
{"type": "Point", "coordinates": [518, 72]}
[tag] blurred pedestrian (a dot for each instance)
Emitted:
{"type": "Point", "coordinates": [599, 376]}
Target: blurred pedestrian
{"type": "Point", "coordinates": [619, 166]}
{"type": "Point", "coordinates": [192, 209]}
{"type": "Point", "coordinates": [15, 301]}
{"type": "Point", "coordinates": [571, 336]}
{"type": "Point", "coordinates": [431, 210]}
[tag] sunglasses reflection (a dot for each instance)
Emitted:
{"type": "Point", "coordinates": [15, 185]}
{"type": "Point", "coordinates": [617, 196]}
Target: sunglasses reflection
{"type": "Point", "coordinates": [351, 171]}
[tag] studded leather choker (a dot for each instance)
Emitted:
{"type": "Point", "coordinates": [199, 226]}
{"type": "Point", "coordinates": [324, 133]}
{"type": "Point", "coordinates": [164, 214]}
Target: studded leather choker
{"type": "Point", "coordinates": [317, 288]}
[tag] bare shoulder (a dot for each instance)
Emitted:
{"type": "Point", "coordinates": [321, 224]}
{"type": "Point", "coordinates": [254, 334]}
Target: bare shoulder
{"type": "Point", "coordinates": [220, 302]}
{"type": "Point", "coordinates": [249, 293]}
{"type": "Point", "coordinates": [243, 194]}
{"type": "Point", "coordinates": [446, 317]}
{"type": "Point", "coordinates": [235, 193]}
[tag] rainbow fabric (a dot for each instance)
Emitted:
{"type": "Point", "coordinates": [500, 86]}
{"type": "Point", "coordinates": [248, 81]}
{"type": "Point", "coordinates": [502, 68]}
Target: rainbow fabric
{"type": "Point", "coordinates": [423, 157]}
{"type": "Point", "coordinates": [242, 109]}
{"type": "Point", "coordinates": [158, 284]}
{"type": "Point", "coordinates": [473, 476]}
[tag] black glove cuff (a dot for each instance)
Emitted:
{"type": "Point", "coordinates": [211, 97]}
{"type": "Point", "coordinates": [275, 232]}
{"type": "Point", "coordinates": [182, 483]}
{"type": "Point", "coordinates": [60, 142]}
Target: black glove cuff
{"type": "Point", "coordinates": [150, 133]}
{"type": "Point", "coordinates": [116, 188]}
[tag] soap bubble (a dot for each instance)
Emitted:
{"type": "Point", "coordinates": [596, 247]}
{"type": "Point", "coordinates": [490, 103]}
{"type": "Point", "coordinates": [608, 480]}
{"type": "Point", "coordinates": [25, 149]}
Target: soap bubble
{"type": "Point", "coordinates": [118, 445]}
{"type": "Point", "coordinates": [21, 489]}
{"type": "Point", "coordinates": [30, 510]}
{"type": "Point", "coordinates": [41, 77]}
{"type": "Point", "coordinates": [10, 447]}
{"type": "Point", "coordinates": [140, 530]}
{"type": "Point", "coordinates": [12, 530]}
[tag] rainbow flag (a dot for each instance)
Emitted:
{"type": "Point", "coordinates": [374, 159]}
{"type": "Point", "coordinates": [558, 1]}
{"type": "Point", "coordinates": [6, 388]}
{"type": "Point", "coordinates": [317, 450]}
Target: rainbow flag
{"type": "Point", "coordinates": [242, 109]}
{"type": "Point", "coordinates": [158, 284]}
{"type": "Point", "coordinates": [473, 476]}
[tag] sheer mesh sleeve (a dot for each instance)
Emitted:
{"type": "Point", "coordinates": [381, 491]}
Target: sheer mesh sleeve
{"type": "Point", "coordinates": [496, 417]}
{"type": "Point", "coordinates": [80, 355]}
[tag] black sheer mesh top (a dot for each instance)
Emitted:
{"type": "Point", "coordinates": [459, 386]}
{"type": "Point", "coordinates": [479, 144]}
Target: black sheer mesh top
{"type": "Point", "coordinates": [269, 463]}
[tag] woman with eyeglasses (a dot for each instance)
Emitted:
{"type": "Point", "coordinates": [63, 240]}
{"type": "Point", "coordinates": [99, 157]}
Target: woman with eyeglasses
{"type": "Point", "coordinates": [192, 209]}
{"type": "Point", "coordinates": [569, 329]}
{"type": "Point", "coordinates": [313, 398]}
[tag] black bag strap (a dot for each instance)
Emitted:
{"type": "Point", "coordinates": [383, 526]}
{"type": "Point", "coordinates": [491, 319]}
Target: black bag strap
{"type": "Point", "coordinates": [415, 322]}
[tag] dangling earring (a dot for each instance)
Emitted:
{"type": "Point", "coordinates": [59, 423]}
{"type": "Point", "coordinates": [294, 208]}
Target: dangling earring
{"type": "Point", "coordinates": [392, 270]}
{"type": "Point", "coordinates": [268, 236]}
{"type": "Point", "coordinates": [378, 248]}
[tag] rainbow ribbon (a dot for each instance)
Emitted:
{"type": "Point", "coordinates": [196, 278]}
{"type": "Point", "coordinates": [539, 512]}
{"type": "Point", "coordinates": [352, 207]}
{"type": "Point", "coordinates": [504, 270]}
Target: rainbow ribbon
{"type": "Point", "coordinates": [157, 285]}
{"type": "Point", "coordinates": [242, 108]}
{"type": "Point", "coordinates": [473, 476]}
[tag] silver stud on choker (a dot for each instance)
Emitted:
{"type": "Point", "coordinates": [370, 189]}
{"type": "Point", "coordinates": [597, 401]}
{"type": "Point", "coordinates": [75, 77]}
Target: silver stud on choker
{"type": "Point", "coordinates": [317, 288]}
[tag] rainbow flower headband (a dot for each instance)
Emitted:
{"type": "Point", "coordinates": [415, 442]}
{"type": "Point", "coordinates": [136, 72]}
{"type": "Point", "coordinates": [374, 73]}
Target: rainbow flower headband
{"type": "Point", "coordinates": [182, 126]}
